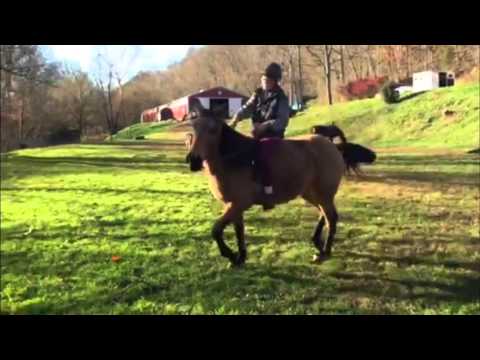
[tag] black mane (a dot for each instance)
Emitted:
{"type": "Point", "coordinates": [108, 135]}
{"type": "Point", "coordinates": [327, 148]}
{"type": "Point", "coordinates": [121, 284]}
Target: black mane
{"type": "Point", "coordinates": [236, 150]}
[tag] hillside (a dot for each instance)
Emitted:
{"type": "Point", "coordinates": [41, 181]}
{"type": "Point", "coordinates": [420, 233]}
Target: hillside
{"type": "Point", "coordinates": [417, 120]}
{"type": "Point", "coordinates": [138, 130]}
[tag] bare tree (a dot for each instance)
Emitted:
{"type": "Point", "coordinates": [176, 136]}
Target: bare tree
{"type": "Point", "coordinates": [75, 93]}
{"type": "Point", "coordinates": [25, 82]}
{"type": "Point", "coordinates": [323, 55]}
{"type": "Point", "coordinates": [109, 81]}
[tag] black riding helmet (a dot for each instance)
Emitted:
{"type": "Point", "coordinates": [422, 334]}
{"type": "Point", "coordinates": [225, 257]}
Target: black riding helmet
{"type": "Point", "coordinates": [273, 71]}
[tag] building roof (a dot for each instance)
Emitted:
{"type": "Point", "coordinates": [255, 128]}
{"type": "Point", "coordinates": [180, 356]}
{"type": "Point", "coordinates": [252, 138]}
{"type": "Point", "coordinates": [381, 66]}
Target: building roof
{"type": "Point", "coordinates": [218, 91]}
{"type": "Point", "coordinates": [212, 92]}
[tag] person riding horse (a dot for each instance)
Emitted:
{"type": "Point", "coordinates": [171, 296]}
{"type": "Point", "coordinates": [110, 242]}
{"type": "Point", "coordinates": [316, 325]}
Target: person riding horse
{"type": "Point", "coordinates": [270, 119]}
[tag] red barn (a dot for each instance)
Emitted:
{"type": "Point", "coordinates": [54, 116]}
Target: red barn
{"type": "Point", "coordinates": [223, 101]}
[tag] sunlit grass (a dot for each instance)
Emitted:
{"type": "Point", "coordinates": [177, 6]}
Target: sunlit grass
{"type": "Point", "coordinates": [408, 238]}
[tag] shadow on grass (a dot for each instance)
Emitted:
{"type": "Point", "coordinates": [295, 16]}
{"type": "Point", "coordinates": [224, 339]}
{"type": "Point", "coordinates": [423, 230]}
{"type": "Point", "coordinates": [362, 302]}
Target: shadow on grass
{"type": "Point", "coordinates": [436, 160]}
{"type": "Point", "coordinates": [410, 96]}
{"type": "Point", "coordinates": [214, 284]}
{"type": "Point", "coordinates": [25, 166]}
{"type": "Point", "coordinates": [105, 190]}
{"type": "Point", "coordinates": [432, 177]}
{"type": "Point", "coordinates": [410, 260]}
{"type": "Point", "coordinates": [464, 288]}
{"type": "Point", "coordinates": [134, 143]}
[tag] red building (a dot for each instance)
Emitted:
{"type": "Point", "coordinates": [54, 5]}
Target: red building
{"type": "Point", "coordinates": [223, 101]}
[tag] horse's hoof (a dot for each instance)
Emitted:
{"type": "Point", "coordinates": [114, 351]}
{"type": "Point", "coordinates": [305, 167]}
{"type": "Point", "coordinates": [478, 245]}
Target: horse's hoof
{"type": "Point", "coordinates": [319, 258]}
{"type": "Point", "coordinates": [237, 263]}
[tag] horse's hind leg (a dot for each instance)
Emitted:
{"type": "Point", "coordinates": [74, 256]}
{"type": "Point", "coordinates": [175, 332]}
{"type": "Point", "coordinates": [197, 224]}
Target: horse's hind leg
{"type": "Point", "coordinates": [317, 236]}
{"type": "Point", "coordinates": [330, 212]}
{"type": "Point", "coordinates": [358, 171]}
{"type": "Point", "coordinates": [242, 247]}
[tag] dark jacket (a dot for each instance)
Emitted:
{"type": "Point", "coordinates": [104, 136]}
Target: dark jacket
{"type": "Point", "coordinates": [268, 107]}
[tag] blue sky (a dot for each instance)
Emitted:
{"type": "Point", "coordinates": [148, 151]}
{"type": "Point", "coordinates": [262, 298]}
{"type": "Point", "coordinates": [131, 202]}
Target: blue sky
{"type": "Point", "coordinates": [131, 58]}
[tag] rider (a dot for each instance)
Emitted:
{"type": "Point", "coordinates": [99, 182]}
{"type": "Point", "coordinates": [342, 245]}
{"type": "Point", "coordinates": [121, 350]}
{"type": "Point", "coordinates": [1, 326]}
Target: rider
{"type": "Point", "coordinates": [271, 112]}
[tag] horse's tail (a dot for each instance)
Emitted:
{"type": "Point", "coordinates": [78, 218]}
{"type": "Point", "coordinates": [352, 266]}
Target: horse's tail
{"type": "Point", "coordinates": [354, 155]}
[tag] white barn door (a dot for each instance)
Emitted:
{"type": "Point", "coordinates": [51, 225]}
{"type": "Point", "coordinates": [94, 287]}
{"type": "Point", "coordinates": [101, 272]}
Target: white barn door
{"type": "Point", "coordinates": [234, 104]}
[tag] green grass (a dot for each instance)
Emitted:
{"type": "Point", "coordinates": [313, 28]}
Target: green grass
{"type": "Point", "coordinates": [416, 121]}
{"type": "Point", "coordinates": [142, 129]}
{"type": "Point", "coordinates": [408, 239]}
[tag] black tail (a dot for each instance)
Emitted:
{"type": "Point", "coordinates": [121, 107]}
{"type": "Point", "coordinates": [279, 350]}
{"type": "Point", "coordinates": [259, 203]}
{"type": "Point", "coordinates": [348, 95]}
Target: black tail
{"type": "Point", "coordinates": [354, 155]}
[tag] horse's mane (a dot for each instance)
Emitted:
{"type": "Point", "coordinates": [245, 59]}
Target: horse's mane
{"type": "Point", "coordinates": [236, 150]}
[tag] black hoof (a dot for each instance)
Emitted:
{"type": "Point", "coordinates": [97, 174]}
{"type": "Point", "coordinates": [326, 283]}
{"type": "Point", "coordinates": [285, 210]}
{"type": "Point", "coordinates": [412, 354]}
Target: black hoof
{"type": "Point", "coordinates": [237, 261]}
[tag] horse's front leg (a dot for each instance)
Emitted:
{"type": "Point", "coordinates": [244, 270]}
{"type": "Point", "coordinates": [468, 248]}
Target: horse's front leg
{"type": "Point", "coordinates": [242, 246]}
{"type": "Point", "coordinates": [231, 214]}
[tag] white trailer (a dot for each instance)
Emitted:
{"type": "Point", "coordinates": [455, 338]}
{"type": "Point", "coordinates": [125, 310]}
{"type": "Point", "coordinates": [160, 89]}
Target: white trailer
{"type": "Point", "coordinates": [429, 80]}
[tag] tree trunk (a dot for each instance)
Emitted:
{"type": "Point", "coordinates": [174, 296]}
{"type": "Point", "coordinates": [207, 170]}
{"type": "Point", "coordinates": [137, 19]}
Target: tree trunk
{"type": "Point", "coordinates": [426, 57]}
{"type": "Point", "coordinates": [21, 121]}
{"type": "Point", "coordinates": [328, 74]}
{"type": "Point", "coordinates": [352, 64]}
{"type": "Point", "coordinates": [110, 105]}
{"type": "Point", "coordinates": [80, 120]}
{"type": "Point", "coordinates": [300, 75]}
{"type": "Point", "coordinates": [342, 63]}
{"type": "Point", "coordinates": [408, 61]}
{"type": "Point", "coordinates": [371, 62]}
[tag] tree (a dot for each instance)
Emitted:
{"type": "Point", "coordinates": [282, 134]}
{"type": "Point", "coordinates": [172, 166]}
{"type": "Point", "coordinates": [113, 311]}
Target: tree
{"type": "Point", "coordinates": [109, 81]}
{"type": "Point", "coordinates": [25, 83]}
{"type": "Point", "coordinates": [323, 55]}
{"type": "Point", "coordinates": [75, 94]}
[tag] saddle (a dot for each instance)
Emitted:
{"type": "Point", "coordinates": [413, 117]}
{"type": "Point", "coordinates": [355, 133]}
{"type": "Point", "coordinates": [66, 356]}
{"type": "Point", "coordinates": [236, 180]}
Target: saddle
{"type": "Point", "coordinates": [253, 155]}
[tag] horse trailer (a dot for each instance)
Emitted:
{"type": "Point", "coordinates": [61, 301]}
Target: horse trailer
{"type": "Point", "coordinates": [429, 80]}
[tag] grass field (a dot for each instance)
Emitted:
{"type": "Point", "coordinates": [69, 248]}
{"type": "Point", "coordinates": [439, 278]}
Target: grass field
{"type": "Point", "coordinates": [124, 227]}
{"type": "Point", "coordinates": [408, 238]}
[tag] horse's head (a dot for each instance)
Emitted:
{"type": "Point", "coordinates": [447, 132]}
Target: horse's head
{"type": "Point", "coordinates": [205, 138]}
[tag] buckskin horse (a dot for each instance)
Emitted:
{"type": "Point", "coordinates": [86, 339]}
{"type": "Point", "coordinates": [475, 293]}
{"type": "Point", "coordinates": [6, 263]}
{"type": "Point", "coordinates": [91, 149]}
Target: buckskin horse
{"type": "Point", "coordinates": [311, 168]}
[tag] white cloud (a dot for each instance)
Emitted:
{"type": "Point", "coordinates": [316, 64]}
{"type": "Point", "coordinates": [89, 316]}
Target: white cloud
{"type": "Point", "coordinates": [75, 53]}
{"type": "Point", "coordinates": [148, 57]}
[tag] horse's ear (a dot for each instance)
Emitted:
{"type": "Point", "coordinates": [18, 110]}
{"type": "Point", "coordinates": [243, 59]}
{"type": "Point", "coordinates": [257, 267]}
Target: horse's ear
{"type": "Point", "coordinates": [188, 141]}
{"type": "Point", "coordinates": [197, 108]}
{"type": "Point", "coordinates": [196, 111]}
{"type": "Point", "coordinates": [192, 115]}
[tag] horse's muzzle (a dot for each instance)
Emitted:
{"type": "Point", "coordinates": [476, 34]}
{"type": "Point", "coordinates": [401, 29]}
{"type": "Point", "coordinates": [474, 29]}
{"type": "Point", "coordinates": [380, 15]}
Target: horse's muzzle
{"type": "Point", "coordinates": [196, 162]}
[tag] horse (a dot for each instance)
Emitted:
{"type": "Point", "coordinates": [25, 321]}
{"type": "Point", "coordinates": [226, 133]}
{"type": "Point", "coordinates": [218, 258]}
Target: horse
{"type": "Point", "coordinates": [311, 168]}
